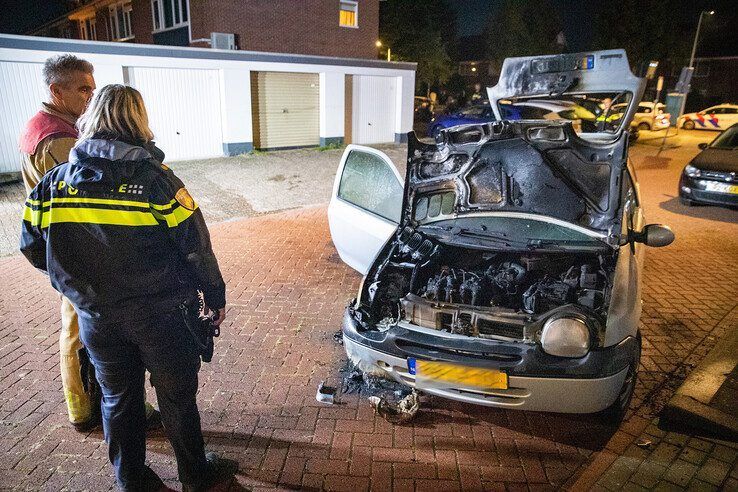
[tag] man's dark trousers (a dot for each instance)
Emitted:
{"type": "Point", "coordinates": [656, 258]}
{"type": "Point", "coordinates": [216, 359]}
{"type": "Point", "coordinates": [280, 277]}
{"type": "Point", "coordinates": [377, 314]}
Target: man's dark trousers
{"type": "Point", "coordinates": [121, 352]}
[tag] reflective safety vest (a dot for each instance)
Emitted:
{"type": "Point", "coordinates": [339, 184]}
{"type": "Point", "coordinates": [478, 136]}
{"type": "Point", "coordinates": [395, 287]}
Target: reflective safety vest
{"type": "Point", "coordinates": [119, 234]}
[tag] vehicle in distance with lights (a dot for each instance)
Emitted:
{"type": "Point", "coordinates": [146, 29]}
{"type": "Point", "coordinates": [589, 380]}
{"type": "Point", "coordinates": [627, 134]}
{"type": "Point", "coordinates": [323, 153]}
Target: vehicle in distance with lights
{"type": "Point", "coordinates": [506, 269]}
{"type": "Point", "coordinates": [712, 176]}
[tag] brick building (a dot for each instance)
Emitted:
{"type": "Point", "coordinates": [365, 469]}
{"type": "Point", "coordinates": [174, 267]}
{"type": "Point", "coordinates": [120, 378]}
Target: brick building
{"type": "Point", "coordinates": [340, 28]}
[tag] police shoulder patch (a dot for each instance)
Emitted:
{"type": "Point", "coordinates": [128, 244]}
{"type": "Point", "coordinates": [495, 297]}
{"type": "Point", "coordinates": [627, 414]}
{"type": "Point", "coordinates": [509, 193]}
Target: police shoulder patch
{"type": "Point", "coordinates": [184, 198]}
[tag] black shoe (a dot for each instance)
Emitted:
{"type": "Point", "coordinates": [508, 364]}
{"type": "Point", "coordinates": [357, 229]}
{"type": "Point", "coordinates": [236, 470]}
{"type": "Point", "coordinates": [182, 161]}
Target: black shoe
{"type": "Point", "coordinates": [153, 421]}
{"type": "Point", "coordinates": [150, 482]}
{"type": "Point", "coordinates": [87, 425]}
{"type": "Point", "coordinates": [219, 470]}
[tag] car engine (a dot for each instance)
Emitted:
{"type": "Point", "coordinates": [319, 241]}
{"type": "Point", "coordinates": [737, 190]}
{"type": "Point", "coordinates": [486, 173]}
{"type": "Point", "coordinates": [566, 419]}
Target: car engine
{"type": "Point", "coordinates": [482, 293]}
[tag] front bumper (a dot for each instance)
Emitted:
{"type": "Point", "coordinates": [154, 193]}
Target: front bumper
{"type": "Point", "coordinates": [536, 381]}
{"type": "Point", "coordinates": [693, 189]}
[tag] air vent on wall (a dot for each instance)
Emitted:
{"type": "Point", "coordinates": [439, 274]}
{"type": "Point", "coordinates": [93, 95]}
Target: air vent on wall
{"type": "Point", "coordinates": [222, 41]}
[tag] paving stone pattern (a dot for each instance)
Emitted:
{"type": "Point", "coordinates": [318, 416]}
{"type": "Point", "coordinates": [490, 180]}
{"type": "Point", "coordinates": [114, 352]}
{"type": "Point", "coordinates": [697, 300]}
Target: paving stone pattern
{"type": "Point", "coordinates": [287, 289]}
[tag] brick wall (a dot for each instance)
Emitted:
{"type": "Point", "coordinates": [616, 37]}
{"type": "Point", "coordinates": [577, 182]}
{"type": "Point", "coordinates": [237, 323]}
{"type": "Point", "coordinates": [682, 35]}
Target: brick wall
{"type": "Point", "coordinates": [142, 22]}
{"type": "Point", "coordinates": [308, 27]}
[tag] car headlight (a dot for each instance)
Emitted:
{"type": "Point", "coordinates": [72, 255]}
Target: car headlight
{"type": "Point", "coordinates": [692, 171]}
{"type": "Point", "coordinates": [565, 337]}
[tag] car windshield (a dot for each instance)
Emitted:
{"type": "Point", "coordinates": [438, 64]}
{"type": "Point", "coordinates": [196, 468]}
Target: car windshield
{"type": "Point", "coordinates": [513, 232]}
{"type": "Point", "coordinates": [589, 112]}
{"type": "Point", "coordinates": [726, 140]}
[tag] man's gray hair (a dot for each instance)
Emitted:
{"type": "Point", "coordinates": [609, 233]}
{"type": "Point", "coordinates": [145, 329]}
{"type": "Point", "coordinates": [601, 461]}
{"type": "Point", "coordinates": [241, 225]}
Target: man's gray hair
{"type": "Point", "coordinates": [58, 69]}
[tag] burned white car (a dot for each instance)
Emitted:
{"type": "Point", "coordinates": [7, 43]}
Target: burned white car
{"type": "Point", "coordinates": [505, 271]}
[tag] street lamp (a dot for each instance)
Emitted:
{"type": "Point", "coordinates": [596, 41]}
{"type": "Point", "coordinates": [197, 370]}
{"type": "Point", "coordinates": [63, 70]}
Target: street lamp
{"type": "Point", "coordinates": [691, 57]}
{"type": "Point", "coordinates": [378, 44]}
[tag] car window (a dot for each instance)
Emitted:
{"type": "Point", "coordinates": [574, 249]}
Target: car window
{"type": "Point", "coordinates": [473, 111]}
{"type": "Point", "coordinates": [726, 140]}
{"type": "Point", "coordinates": [730, 110]}
{"type": "Point", "coordinates": [516, 230]}
{"type": "Point", "coordinates": [369, 183]}
{"type": "Point", "coordinates": [716, 111]}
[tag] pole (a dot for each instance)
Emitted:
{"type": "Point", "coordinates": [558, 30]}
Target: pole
{"type": "Point", "coordinates": [389, 54]}
{"type": "Point", "coordinates": [691, 65]}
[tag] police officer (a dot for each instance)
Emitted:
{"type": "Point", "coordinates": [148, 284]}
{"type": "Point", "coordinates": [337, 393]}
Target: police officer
{"type": "Point", "coordinates": [46, 141]}
{"type": "Point", "coordinates": [121, 237]}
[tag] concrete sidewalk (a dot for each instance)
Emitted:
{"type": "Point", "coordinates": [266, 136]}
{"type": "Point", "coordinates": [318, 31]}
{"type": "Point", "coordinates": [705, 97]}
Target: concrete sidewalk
{"type": "Point", "coordinates": [708, 399]}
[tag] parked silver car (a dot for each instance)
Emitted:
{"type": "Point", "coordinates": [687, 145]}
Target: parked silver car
{"type": "Point", "coordinates": [506, 269]}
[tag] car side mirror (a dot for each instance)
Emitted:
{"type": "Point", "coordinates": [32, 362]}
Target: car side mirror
{"type": "Point", "coordinates": [654, 235]}
{"type": "Point", "coordinates": [702, 146]}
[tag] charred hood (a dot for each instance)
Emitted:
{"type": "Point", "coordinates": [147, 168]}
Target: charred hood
{"type": "Point", "coordinates": [526, 167]}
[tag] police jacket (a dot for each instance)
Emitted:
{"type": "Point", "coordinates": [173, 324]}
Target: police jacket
{"type": "Point", "coordinates": [119, 235]}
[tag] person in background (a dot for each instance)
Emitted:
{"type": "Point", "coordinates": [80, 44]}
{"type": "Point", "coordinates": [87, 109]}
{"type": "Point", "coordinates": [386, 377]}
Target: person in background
{"type": "Point", "coordinates": [120, 236]}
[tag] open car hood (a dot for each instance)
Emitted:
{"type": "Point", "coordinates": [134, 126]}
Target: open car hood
{"type": "Point", "coordinates": [569, 74]}
{"type": "Point", "coordinates": [529, 167]}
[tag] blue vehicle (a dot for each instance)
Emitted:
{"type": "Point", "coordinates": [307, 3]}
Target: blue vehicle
{"type": "Point", "coordinates": [480, 112]}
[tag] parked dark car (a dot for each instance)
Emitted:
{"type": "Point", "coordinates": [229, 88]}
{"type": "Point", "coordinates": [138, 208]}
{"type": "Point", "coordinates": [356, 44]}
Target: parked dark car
{"type": "Point", "coordinates": [712, 176]}
{"type": "Point", "coordinates": [477, 113]}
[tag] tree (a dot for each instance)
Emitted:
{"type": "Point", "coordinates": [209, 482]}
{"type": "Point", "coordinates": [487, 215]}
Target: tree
{"type": "Point", "coordinates": [421, 32]}
{"type": "Point", "coordinates": [646, 29]}
{"type": "Point", "coordinates": [524, 28]}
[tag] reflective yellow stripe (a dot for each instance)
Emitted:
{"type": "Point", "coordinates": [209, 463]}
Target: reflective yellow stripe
{"type": "Point", "coordinates": [32, 216]}
{"type": "Point", "coordinates": [178, 215]}
{"type": "Point", "coordinates": [98, 216]}
{"type": "Point", "coordinates": [98, 201]}
{"type": "Point", "coordinates": [163, 207]}
{"type": "Point", "coordinates": [33, 202]}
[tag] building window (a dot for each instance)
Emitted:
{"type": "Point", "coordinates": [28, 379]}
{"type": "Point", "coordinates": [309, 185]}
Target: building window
{"type": "Point", "coordinates": [169, 14]}
{"type": "Point", "coordinates": [348, 14]}
{"type": "Point", "coordinates": [88, 29]}
{"type": "Point", "coordinates": [120, 21]}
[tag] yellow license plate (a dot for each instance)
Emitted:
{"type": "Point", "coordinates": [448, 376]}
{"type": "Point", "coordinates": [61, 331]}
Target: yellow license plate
{"type": "Point", "coordinates": [431, 373]}
{"type": "Point", "coordinates": [721, 187]}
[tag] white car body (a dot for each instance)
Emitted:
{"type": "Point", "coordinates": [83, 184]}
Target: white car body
{"type": "Point", "coordinates": [718, 117]}
{"type": "Point", "coordinates": [648, 119]}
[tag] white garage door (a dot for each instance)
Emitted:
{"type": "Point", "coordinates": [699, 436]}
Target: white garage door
{"type": "Point", "coordinates": [373, 104]}
{"type": "Point", "coordinates": [285, 109]}
{"type": "Point", "coordinates": [184, 109]}
{"type": "Point", "coordinates": [23, 91]}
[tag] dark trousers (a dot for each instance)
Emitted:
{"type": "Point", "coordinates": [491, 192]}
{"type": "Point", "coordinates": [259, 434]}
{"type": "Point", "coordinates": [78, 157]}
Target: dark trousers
{"type": "Point", "coordinates": [121, 352]}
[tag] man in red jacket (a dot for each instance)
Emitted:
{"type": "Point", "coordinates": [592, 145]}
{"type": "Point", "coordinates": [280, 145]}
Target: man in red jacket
{"type": "Point", "coordinates": [48, 137]}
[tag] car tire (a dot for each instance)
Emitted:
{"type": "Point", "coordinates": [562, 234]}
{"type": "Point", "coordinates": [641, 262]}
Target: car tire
{"type": "Point", "coordinates": [614, 413]}
{"type": "Point", "coordinates": [644, 126]}
{"type": "Point", "coordinates": [688, 125]}
{"type": "Point", "coordinates": [686, 202]}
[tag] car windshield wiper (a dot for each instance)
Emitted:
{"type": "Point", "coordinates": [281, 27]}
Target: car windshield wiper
{"type": "Point", "coordinates": [477, 232]}
{"type": "Point", "coordinates": [534, 244]}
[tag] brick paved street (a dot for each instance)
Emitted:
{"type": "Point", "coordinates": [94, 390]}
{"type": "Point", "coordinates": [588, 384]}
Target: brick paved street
{"type": "Point", "coordinates": [287, 289]}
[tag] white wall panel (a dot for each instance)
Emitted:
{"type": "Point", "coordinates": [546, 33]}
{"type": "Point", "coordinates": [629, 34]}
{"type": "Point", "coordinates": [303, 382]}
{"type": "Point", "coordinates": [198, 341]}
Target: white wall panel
{"type": "Point", "coordinates": [374, 108]}
{"type": "Point", "coordinates": [184, 109]}
{"type": "Point", "coordinates": [21, 93]}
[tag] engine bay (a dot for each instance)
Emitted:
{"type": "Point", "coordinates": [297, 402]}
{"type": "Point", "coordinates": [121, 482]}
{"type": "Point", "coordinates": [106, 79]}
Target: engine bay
{"type": "Point", "coordinates": [482, 293]}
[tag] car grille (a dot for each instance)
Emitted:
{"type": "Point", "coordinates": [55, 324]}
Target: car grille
{"type": "Point", "coordinates": [487, 327]}
{"type": "Point", "coordinates": [719, 175]}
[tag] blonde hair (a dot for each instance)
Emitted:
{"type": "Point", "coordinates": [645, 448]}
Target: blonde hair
{"type": "Point", "coordinates": [118, 112]}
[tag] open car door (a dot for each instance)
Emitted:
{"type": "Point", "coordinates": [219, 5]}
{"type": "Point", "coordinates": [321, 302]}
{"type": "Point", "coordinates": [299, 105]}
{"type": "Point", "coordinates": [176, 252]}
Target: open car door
{"type": "Point", "coordinates": [365, 205]}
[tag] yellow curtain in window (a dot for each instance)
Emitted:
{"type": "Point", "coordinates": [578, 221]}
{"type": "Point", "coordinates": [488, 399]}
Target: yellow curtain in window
{"type": "Point", "coordinates": [348, 18]}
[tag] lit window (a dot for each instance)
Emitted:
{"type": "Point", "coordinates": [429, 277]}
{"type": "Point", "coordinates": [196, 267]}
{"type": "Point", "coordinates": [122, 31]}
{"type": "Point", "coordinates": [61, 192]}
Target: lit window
{"type": "Point", "coordinates": [348, 14]}
{"type": "Point", "coordinates": [120, 21]}
{"type": "Point", "coordinates": [168, 14]}
{"type": "Point", "coordinates": [88, 29]}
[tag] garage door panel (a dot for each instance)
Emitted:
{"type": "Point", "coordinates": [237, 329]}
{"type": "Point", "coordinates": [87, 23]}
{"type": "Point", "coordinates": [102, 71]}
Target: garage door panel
{"type": "Point", "coordinates": [25, 82]}
{"type": "Point", "coordinates": [286, 109]}
{"type": "Point", "coordinates": [373, 119]}
{"type": "Point", "coordinates": [184, 109]}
